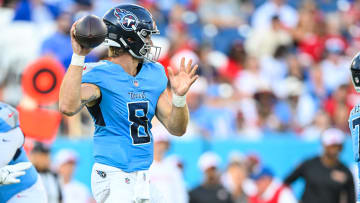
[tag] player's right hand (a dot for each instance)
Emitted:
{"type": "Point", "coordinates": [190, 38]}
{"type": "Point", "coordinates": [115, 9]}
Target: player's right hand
{"type": "Point", "coordinates": [77, 48]}
{"type": "Point", "coordinates": [9, 173]}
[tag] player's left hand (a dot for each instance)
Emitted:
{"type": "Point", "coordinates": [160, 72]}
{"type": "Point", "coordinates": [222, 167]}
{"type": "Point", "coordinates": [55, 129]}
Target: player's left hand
{"type": "Point", "coordinates": [181, 82]}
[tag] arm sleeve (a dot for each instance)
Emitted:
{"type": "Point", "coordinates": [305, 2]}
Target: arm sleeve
{"type": "Point", "coordinates": [191, 197]}
{"type": "Point", "coordinates": [350, 188]}
{"type": "Point", "coordinates": [298, 172]}
{"type": "Point", "coordinates": [10, 142]}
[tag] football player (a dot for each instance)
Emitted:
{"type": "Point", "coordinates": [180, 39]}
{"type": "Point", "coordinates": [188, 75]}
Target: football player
{"type": "Point", "coordinates": [354, 118]}
{"type": "Point", "coordinates": [122, 95]}
{"type": "Point", "coordinates": [14, 164]}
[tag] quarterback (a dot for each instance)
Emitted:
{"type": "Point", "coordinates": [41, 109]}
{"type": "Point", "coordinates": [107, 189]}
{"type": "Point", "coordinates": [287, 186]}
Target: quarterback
{"type": "Point", "coordinates": [14, 163]}
{"type": "Point", "coordinates": [122, 95]}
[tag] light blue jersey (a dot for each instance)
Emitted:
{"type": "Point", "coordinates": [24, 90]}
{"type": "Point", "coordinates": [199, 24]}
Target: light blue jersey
{"type": "Point", "coordinates": [124, 112]}
{"type": "Point", "coordinates": [8, 121]}
{"type": "Point", "coordinates": [354, 125]}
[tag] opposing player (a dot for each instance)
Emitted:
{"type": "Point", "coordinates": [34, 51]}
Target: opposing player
{"type": "Point", "coordinates": [123, 94]}
{"type": "Point", "coordinates": [354, 119]}
{"type": "Point", "coordinates": [19, 180]}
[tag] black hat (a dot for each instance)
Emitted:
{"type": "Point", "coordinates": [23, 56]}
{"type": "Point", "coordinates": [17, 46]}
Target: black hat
{"type": "Point", "coordinates": [41, 148]}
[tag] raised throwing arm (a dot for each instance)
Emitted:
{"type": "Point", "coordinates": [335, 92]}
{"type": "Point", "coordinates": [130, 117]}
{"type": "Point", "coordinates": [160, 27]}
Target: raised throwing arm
{"type": "Point", "coordinates": [74, 95]}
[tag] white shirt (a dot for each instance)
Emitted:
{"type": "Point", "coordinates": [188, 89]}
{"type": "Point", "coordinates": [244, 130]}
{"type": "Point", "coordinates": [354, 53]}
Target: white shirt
{"type": "Point", "coordinates": [75, 191]}
{"type": "Point", "coordinates": [263, 15]}
{"type": "Point", "coordinates": [168, 180]}
{"type": "Point", "coordinates": [335, 74]}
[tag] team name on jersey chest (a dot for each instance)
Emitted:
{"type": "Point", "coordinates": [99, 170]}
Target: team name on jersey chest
{"type": "Point", "coordinates": [137, 95]}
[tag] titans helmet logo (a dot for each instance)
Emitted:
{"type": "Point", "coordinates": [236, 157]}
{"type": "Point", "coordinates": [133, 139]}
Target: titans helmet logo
{"type": "Point", "coordinates": [128, 20]}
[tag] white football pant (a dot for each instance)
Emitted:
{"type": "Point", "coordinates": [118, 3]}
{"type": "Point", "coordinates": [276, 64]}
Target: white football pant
{"type": "Point", "coordinates": [112, 185]}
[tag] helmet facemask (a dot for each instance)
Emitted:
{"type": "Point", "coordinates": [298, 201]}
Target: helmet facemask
{"type": "Point", "coordinates": [148, 51]}
{"type": "Point", "coordinates": [355, 78]}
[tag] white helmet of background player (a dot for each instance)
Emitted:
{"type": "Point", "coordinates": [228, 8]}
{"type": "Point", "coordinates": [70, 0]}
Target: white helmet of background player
{"type": "Point", "coordinates": [129, 27]}
{"type": "Point", "coordinates": [355, 71]}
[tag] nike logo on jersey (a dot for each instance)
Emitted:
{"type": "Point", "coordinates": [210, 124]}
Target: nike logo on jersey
{"type": "Point", "coordinates": [5, 140]}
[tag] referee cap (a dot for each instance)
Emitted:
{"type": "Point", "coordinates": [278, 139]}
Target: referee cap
{"type": "Point", "coordinates": [208, 160]}
{"type": "Point", "coordinates": [332, 136]}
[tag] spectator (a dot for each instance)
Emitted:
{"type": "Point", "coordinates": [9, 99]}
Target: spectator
{"type": "Point", "coordinates": [250, 80]}
{"type": "Point", "coordinates": [315, 85]}
{"type": "Point", "coordinates": [40, 157]}
{"type": "Point", "coordinates": [165, 175]}
{"type": "Point", "coordinates": [338, 98]}
{"type": "Point", "coordinates": [59, 43]}
{"type": "Point", "coordinates": [236, 180]}
{"type": "Point", "coordinates": [297, 109]}
{"type": "Point", "coordinates": [235, 63]}
{"type": "Point", "coordinates": [327, 179]}
{"type": "Point", "coordinates": [270, 190]}
{"type": "Point", "coordinates": [73, 191]}
{"type": "Point", "coordinates": [221, 13]}
{"type": "Point", "coordinates": [320, 123]}
{"type": "Point", "coordinates": [265, 103]}
{"type": "Point", "coordinates": [263, 14]}
{"type": "Point", "coordinates": [206, 69]}
{"type": "Point", "coordinates": [335, 64]}
{"type": "Point", "coordinates": [210, 191]}
{"type": "Point", "coordinates": [265, 40]}
{"type": "Point", "coordinates": [309, 32]}
{"type": "Point", "coordinates": [274, 67]}
{"type": "Point", "coordinates": [207, 120]}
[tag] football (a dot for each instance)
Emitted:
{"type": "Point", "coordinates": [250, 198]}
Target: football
{"type": "Point", "coordinates": [90, 31]}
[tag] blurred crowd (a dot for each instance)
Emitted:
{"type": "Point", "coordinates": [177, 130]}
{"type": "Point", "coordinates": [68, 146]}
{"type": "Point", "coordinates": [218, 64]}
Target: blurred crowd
{"type": "Point", "coordinates": [265, 65]}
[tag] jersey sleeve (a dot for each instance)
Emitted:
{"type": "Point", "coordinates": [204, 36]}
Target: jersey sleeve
{"type": "Point", "coordinates": [354, 125]}
{"type": "Point", "coordinates": [92, 74]}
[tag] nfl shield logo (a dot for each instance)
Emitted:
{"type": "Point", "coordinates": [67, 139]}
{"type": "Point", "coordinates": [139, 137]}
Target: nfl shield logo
{"type": "Point", "coordinates": [136, 83]}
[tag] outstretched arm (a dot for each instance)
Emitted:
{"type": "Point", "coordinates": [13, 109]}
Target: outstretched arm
{"type": "Point", "coordinates": [74, 95]}
{"type": "Point", "coordinates": [175, 115]}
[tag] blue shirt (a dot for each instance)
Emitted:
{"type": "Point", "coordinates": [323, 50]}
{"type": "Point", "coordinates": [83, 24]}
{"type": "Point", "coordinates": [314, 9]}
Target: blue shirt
{"type": "Point", "coordinates": [124, 112]}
